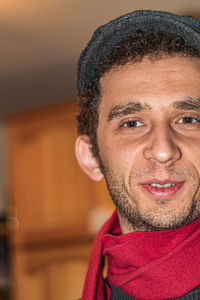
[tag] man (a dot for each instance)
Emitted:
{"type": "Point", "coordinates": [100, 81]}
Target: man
{"type": "Point", "coordinates": [139, 125]}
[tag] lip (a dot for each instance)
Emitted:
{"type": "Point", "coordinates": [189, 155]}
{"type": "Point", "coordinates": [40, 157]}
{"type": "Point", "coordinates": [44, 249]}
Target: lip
{"type": "Point", "coordinates": [163, 192]}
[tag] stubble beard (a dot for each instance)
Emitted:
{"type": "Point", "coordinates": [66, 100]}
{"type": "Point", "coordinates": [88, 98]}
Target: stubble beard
{"type": "Point", "coordinates": [156, 219]}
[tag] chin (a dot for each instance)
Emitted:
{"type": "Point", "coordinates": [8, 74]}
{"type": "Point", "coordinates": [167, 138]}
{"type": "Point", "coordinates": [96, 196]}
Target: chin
{"type": "Point", "coordinates": [169, 221]}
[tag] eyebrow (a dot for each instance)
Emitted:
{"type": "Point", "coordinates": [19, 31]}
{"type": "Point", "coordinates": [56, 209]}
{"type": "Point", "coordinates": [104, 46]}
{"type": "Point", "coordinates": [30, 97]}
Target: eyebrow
{"type": "Point", "coordinates": [121, 110]}
{"type": "Point", "coordinates": [187, 104]}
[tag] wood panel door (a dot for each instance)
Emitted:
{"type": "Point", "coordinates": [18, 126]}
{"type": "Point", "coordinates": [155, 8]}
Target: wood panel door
{"type": "Point", "coordinates": [55, 205]}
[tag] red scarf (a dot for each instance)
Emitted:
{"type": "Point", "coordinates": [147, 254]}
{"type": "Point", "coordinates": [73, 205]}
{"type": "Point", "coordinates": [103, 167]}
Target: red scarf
{"type": "Point", "coordinates": [145, 265]}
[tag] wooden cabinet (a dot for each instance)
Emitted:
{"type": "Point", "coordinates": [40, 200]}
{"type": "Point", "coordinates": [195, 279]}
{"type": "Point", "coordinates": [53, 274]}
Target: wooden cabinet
{"type": "Point", "coordinates": [55, 207]}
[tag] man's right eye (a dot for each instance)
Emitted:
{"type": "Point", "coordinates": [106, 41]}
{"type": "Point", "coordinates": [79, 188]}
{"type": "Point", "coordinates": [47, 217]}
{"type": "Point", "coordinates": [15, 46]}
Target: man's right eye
{"type": "Point", "coordinates": [132, 124]}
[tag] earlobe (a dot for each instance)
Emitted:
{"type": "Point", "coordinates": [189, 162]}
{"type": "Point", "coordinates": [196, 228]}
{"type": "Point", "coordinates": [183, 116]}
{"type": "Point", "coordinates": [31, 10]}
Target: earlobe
{"type": "Point", "coordinates": [86, 160]}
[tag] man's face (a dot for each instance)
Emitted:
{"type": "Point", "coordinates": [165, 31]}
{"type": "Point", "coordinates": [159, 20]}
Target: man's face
{"type": "Point", "coordinates": [149, 141]}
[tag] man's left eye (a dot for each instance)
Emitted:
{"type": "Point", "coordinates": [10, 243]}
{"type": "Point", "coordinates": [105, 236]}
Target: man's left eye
{"type": "Point", "coordinates": [132, 124]}
{"type": "Point", "coordinates": [187, 120]}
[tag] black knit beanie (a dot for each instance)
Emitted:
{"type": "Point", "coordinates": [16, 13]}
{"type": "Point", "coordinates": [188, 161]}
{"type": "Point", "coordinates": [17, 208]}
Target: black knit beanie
{"type": "Point", "coordinates": [107, 36]}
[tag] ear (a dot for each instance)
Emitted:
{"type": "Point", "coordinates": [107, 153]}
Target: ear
{"type": "Point", "coordinates": [86, 159]}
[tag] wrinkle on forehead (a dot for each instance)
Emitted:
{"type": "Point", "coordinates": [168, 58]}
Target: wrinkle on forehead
{"type": "Point", "coordinates": [148, 69]}
{"type": "Point", "coordinates": [147, 81]}
{"type": "Point", "coordinates": [121, 110]}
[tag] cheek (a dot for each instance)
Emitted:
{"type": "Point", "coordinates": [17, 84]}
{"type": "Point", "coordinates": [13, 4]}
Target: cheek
{"type": "Point", "coordinates": [121, 155]}
{"type": "Point", "coordinates": [191, 152]}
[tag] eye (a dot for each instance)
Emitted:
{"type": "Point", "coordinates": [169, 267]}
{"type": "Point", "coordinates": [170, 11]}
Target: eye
{"type": "Point", "coordinates": [132, 124]}
{"type": "Point", "coordinates": [188, 120]}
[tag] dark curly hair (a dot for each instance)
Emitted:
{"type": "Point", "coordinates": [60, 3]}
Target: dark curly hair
{"type": "Point", "coordinates": [154, 45]}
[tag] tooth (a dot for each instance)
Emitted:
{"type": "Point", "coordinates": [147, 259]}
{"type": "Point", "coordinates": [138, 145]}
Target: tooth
{"type": "Point", "coordinates": [153, 184]}
{"type": "Point", "coordinates": [167, 185]}
{"type": "Point", "coordinates": [160, 185]}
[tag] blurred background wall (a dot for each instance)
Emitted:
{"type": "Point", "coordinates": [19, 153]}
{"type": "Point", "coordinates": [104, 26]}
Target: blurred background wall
{"type": "Point", "coordinates": [40, 44]}
{"type": "Point", "coordinates": [41, 41]}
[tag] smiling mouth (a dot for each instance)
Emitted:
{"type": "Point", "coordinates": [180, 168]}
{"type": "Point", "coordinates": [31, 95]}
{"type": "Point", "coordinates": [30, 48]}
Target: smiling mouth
{"type": "Point", "coordinates": [164, 190]}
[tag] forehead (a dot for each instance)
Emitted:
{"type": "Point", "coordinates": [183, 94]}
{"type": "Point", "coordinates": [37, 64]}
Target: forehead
{"type": "Point", "coordinates": [153, 82]}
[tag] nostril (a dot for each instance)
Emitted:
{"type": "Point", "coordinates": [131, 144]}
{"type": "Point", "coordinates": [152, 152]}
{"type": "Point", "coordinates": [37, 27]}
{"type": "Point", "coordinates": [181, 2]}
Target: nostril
{"type": "Point", "coordinates": [162, 149]}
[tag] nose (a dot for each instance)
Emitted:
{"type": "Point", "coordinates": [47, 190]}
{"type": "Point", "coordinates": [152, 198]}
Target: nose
{"type": "Point", "coordinates": [161, 146]}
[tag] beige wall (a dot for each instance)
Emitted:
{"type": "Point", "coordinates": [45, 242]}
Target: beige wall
{"type": "Point", "coordinates": [62, 26]}
{"type": "Point", "coordinates": [40, 44]}
{"type": "Point", "coordinates": [3, 170]}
